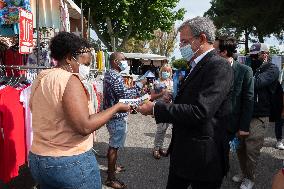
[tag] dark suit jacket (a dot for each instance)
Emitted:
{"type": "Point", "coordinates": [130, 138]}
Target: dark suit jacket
{"type": "Point", "coordinates": [200, 116]}
{"type": "Point", "coordinates": [242, 98]}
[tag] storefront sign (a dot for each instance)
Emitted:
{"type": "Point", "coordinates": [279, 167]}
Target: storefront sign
{"type": "Point", "coordinates": [26, 32]}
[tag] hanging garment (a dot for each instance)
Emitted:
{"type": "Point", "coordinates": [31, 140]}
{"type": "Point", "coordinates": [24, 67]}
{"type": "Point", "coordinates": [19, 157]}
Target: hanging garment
{"type": "Point", "coordinates": [49, 13]}
{"type": "Point", "coordinates": [9, 11]}
{"type": "Point", "coordinates": [44, 58]}
{"type": "Point", "coordinates": [25, 99]}
{"type": "Point", "coordinates": [13, 57]}
{"type": "Point", "coordinates": [93, 97]}
{"type": "Point", "coordinates": [65, 22]}
{"type": "Point", "coordinates": [9, 30]}
{"type": "Point", "coordinates": [12, 147]}
{"type": "Point", "coordinates": [99, 60]}
{"type": "Point", "coordinates": [98, 98]}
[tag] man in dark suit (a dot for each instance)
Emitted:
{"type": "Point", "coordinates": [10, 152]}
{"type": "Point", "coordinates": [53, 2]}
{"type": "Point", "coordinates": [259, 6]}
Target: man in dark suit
{"type": "Point", "coordinates": [200, 113]}
{"type": "Point", "coordinates": [242, 100]}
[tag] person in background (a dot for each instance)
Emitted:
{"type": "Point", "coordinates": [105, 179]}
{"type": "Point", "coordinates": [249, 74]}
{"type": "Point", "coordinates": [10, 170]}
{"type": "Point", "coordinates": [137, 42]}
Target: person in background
{"type": "Point", "coordinates": [243, 92]}
{"type": "Point", "coordinates": [200, 112]}
{"type": "Point", "coordinates": [265, 76]}
{"type": "Point", "coordinates": [279, 123]}
{"type": "Point", "coordinates": [114, 90]}
{"type": "Point", "coordinates": [242, 98]}
{"type": "Point", "coordinates": [163, 90]}
{"type": "Point", "coordinates": [63, 119]}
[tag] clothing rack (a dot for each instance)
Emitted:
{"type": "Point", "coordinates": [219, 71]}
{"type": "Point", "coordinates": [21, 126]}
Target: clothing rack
{"type": "Point", "coordinates": [16, 67]}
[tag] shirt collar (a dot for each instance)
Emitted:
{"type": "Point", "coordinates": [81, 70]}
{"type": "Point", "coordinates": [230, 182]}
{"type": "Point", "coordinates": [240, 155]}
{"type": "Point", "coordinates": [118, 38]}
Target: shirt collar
{"type": "Point", "coordinates": [231, 61]}
{"type": "Point", "coordinates": [197, 59]}
{"type": "Point", "coordinates": [114, 70]}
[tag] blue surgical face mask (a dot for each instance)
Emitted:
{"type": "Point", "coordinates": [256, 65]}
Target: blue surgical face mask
{"type": "Point", "coordinates": [165, 75]}
{"type": "Point", "coordinates": [187, 52]}
{"type": "Point", "coordinates": [123, 65]}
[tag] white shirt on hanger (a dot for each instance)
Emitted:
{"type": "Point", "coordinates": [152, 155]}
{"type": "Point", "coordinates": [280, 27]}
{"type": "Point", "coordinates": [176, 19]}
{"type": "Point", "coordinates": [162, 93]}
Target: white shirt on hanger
{"type": "Point", "coordinates": [25, 99]}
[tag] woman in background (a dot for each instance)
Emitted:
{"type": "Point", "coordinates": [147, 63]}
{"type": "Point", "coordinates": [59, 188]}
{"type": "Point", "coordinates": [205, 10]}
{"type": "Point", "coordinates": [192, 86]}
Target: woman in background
{"type": "Point", "coordinates": [163, 91]}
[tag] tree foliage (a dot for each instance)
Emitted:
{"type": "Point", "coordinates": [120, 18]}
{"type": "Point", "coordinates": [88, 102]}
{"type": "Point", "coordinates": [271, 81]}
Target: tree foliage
{"type": "Point", "coordinates": [258, 18]}
{"type": "Point", "coordinates": [180, 64]}
{"type": "Point", "coordinates": [116, 21]}
{"type": "Point", "coordinates": [274, 50]}
{"type": "Point", "coordinates": [163, 42]}
{"type": "Point", "coordinates": [136, 46]}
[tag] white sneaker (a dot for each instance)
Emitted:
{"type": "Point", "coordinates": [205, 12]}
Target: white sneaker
{"type": "Point", "coordinates": [246, 184]}
{"type": "Point", "coordinates": [238, 178]}
{"type": "Point", "coordinates": [279, 145]}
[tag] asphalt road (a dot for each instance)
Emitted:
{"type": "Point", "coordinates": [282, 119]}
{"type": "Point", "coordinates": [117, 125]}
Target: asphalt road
{"type": "Point", "coordinates": [145, 172]}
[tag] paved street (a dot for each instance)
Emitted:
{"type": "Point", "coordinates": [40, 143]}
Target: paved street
{"type": "Point", "coordinates": [145, 172]}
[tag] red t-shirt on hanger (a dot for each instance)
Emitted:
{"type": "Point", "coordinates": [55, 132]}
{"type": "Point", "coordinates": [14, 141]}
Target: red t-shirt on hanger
{"type": "Point", "coordinates": [12, 123]}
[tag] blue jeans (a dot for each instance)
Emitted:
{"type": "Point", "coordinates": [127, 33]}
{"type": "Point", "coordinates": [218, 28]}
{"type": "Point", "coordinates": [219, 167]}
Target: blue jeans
{"type": "Point", "coordinates": [117, 129]}
{"type": "Point", "coordinates": [76, 172]}
{"type": "Point", "coordinates": [278, 129]}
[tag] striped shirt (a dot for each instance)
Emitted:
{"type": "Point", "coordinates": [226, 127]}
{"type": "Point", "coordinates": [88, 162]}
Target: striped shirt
{"type": "Point", "coordinates": [114, 89]}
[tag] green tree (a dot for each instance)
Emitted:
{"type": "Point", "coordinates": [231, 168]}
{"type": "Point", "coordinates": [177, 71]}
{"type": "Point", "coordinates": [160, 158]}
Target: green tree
{"type": "Point", "coordinates": [180, 64]}
{"type": "Point", "coordinates": [274, 50]}
{"type": "Point", "coordinates": [116, 21]}
{"type": "Point", "coordinates": [135, 46]}
{"type": "Point", "coordinates": [163, 42]}
{"type": "Point", "coordinates": [258, 18]}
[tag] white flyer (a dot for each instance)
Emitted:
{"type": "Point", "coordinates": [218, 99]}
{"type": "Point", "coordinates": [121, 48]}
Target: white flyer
{"type": "Point", "coordinates": [137, 101]}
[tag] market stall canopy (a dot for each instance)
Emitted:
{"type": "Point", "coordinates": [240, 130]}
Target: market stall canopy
{"type": "Point", "coordinates": [50, 12]}
{"type": "Point", "coordinates": [143, 56]}
{"type": "Point", "coordinates": [74, 10]}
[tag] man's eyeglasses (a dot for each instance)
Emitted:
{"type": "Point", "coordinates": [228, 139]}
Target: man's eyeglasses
{"type": "Point", "coordinates": [183, 43]}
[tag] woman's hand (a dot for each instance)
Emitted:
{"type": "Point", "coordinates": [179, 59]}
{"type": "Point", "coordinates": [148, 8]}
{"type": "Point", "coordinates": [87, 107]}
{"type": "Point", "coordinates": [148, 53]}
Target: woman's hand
{"type": "Point", "coordinates": [121, 107]}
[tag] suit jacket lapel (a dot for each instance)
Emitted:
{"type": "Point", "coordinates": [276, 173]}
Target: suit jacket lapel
{"type": "Point", "coordinates": [196, 69]}
{"type": "Point", "coordinates": [234, 66]}
{"type": "Point", "coordinates": [236, 70]}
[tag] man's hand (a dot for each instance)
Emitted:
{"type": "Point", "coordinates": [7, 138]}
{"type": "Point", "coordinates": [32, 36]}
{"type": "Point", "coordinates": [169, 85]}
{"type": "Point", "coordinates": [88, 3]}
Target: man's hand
{"type": "Point", "coordinates": [146, 108]}
{"type": "Point", "coordinates": [242, 133]}
{"type": "Point", "coordinates": [167, 97]}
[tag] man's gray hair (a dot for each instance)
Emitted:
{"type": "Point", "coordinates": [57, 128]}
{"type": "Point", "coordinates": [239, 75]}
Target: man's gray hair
{"type": "Point", "coordinates": [201, 25]}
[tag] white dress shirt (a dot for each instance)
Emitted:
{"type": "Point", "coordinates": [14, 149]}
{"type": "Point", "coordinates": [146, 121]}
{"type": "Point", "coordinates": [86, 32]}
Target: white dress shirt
{"type": "Point", "coordinates": [197, 59]}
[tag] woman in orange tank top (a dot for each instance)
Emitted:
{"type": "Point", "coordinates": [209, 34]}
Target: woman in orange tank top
{"type": "Point", "coordinates": [63, 121]}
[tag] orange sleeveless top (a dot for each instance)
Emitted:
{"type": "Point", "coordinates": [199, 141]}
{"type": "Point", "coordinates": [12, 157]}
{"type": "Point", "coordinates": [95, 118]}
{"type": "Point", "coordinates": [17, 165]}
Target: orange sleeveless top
{"type": "Point", "coordinates": [52, 135]}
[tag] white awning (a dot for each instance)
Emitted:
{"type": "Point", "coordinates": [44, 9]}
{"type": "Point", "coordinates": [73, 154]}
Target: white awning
{"type": "Point", "coordinates": [143, 56]}
{"type": "Point", "coordinates": [74, 10]}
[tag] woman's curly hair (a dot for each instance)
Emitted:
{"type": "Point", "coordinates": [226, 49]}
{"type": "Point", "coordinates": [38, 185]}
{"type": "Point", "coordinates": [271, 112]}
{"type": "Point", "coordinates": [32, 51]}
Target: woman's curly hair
{"type": "Point", "coordinates": [65, 43]}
